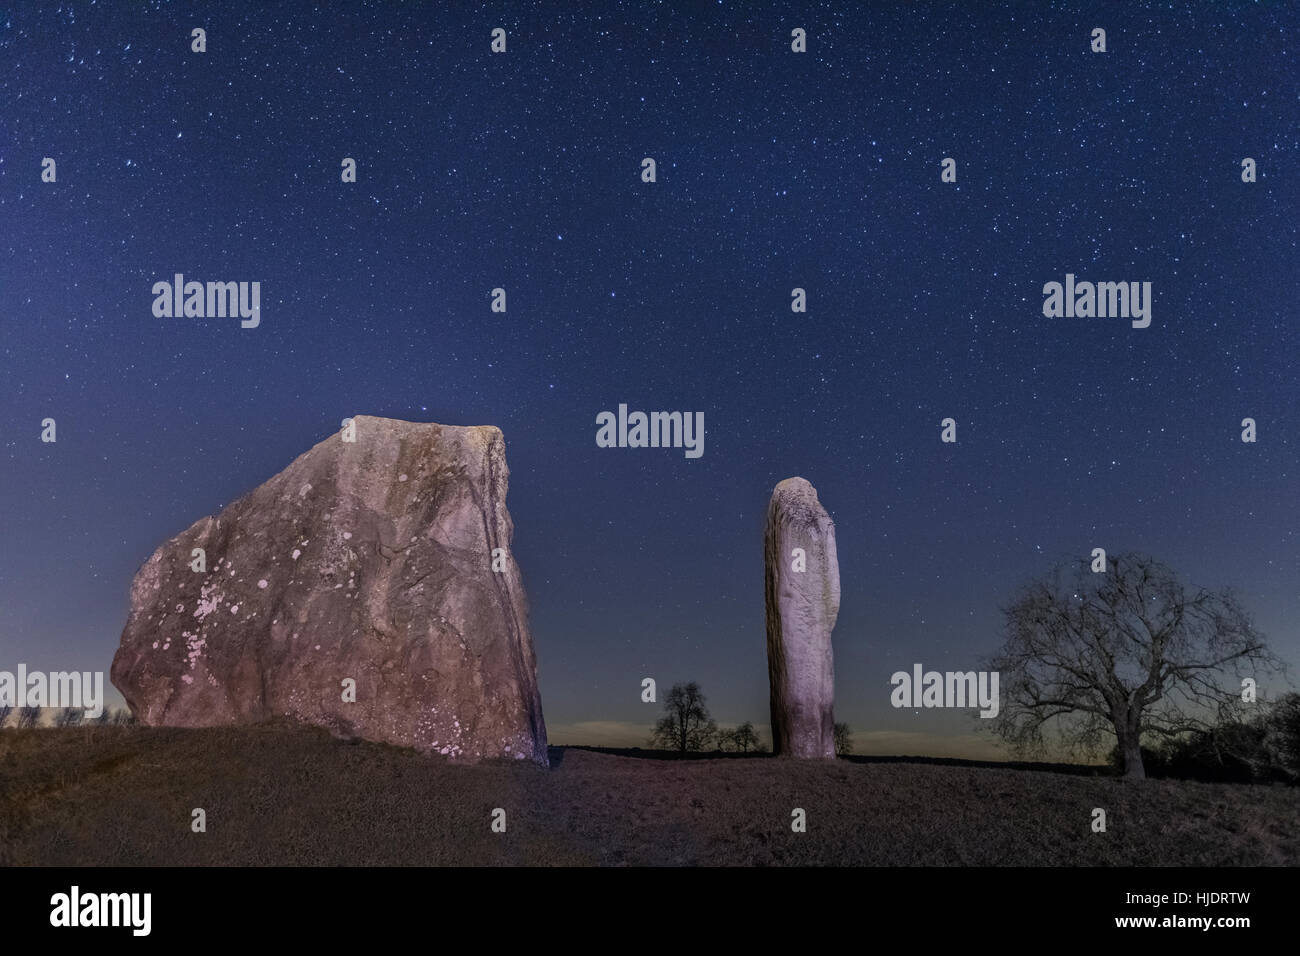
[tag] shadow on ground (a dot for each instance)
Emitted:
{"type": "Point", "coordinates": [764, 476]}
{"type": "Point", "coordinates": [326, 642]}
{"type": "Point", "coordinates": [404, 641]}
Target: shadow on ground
{"type": "Point", "coordinates": [286, 795]}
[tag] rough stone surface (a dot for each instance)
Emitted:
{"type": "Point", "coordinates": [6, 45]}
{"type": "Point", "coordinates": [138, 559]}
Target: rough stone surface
{"type": "Point", "coordinates": [801, 610]}
{"type": "Point", "coordinates": [370, 560]}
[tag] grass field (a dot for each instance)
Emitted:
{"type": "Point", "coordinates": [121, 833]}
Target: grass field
{"type": "Point", "coordinates": [282, 795]}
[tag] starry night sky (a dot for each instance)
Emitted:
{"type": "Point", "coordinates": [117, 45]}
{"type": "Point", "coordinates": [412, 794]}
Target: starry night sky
{"type": "Point", "coordinates": [775, 170]}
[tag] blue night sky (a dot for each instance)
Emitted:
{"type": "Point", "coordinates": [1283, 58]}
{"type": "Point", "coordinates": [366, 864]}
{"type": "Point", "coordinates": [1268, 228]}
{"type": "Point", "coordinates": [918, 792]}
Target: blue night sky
{"type": "Point", "coordinates": [776, 170]}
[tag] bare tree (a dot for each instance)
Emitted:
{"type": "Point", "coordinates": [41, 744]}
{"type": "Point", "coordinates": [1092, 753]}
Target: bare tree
{"type": "Point", "coordinates": [122, 717]}
{"type": "Point", "coordinates": [843, 740]}
{"type": "Point", "coordinates": [745, 738]}
{"type": "Point", "coordinates": [686, 725]}
{"type": "Point", "coordinates": [69, 717]}
{"type": "Point", "coordinates": [105, 717]}
{"type": "Point", "coordinates": [5, 711]}
{"type": "Point", "coordinates": [1129, 652]}
{"type": "Point", "coordinates": [28, 717]}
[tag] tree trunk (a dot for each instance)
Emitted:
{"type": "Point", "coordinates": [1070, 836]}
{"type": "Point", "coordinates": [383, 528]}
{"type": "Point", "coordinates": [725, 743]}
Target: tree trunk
{"type": "Point", "coordinates": [1131, 750]}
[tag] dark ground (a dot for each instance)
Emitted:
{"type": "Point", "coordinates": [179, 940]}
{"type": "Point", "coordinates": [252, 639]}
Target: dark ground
{"type": "Point", "coordinates": [282, 795]}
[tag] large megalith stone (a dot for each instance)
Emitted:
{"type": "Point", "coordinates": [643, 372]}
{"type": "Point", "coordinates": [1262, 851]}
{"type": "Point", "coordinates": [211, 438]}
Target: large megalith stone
{"type": "Point", "coordinates": [384, 561]}
{"type": "Point", "coordinates": [802, 576]}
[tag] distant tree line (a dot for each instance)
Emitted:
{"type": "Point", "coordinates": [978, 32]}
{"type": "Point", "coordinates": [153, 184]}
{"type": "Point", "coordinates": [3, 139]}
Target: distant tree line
{"type": "Point", "coordinates": [743, 739]}
{"type": "Point", "coordinates": [687, 727]}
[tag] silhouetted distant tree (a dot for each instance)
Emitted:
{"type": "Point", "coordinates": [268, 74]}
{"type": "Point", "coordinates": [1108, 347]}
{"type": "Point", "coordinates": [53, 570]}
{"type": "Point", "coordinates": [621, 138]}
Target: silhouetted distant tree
{"type": "Point", "coordinates": [686, 726]}
{"type": "Point", "coordinates": [742, 739]}
{"type": "Point", "coordinates": [28, 717]}
{"type": "Point", "coordinates": [105, 717]}
{"type": "Point", "coordinates": [122, 717]}
{"type": "Point", "coordinates": [5, 711]}
{"type": "Point", "coordinates": [1130, 652]}
{"type": "Point", "coordinates": [69, 717]}
{"type": "Point", "coordinates": [745, 738]}
{"type": "Point", "coordinates": [843, 740]}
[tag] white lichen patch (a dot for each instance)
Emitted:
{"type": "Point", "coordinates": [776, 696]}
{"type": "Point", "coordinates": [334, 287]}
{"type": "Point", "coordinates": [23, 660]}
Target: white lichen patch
{"type": "Point", "coordinates": [262, 584]}
{"type": "Point", "coordinates": [194, 645]}
{"type": "Point", "coordinates": [209, 600]}
{"type": "Point", "coordinates": [296, 552]}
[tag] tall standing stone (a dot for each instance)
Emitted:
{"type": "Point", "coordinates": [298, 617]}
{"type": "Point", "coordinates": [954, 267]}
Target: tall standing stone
{"type": "Point", "coordinates": [803, 601]}
{"type": "Point", "coordinates": [385, 562]}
